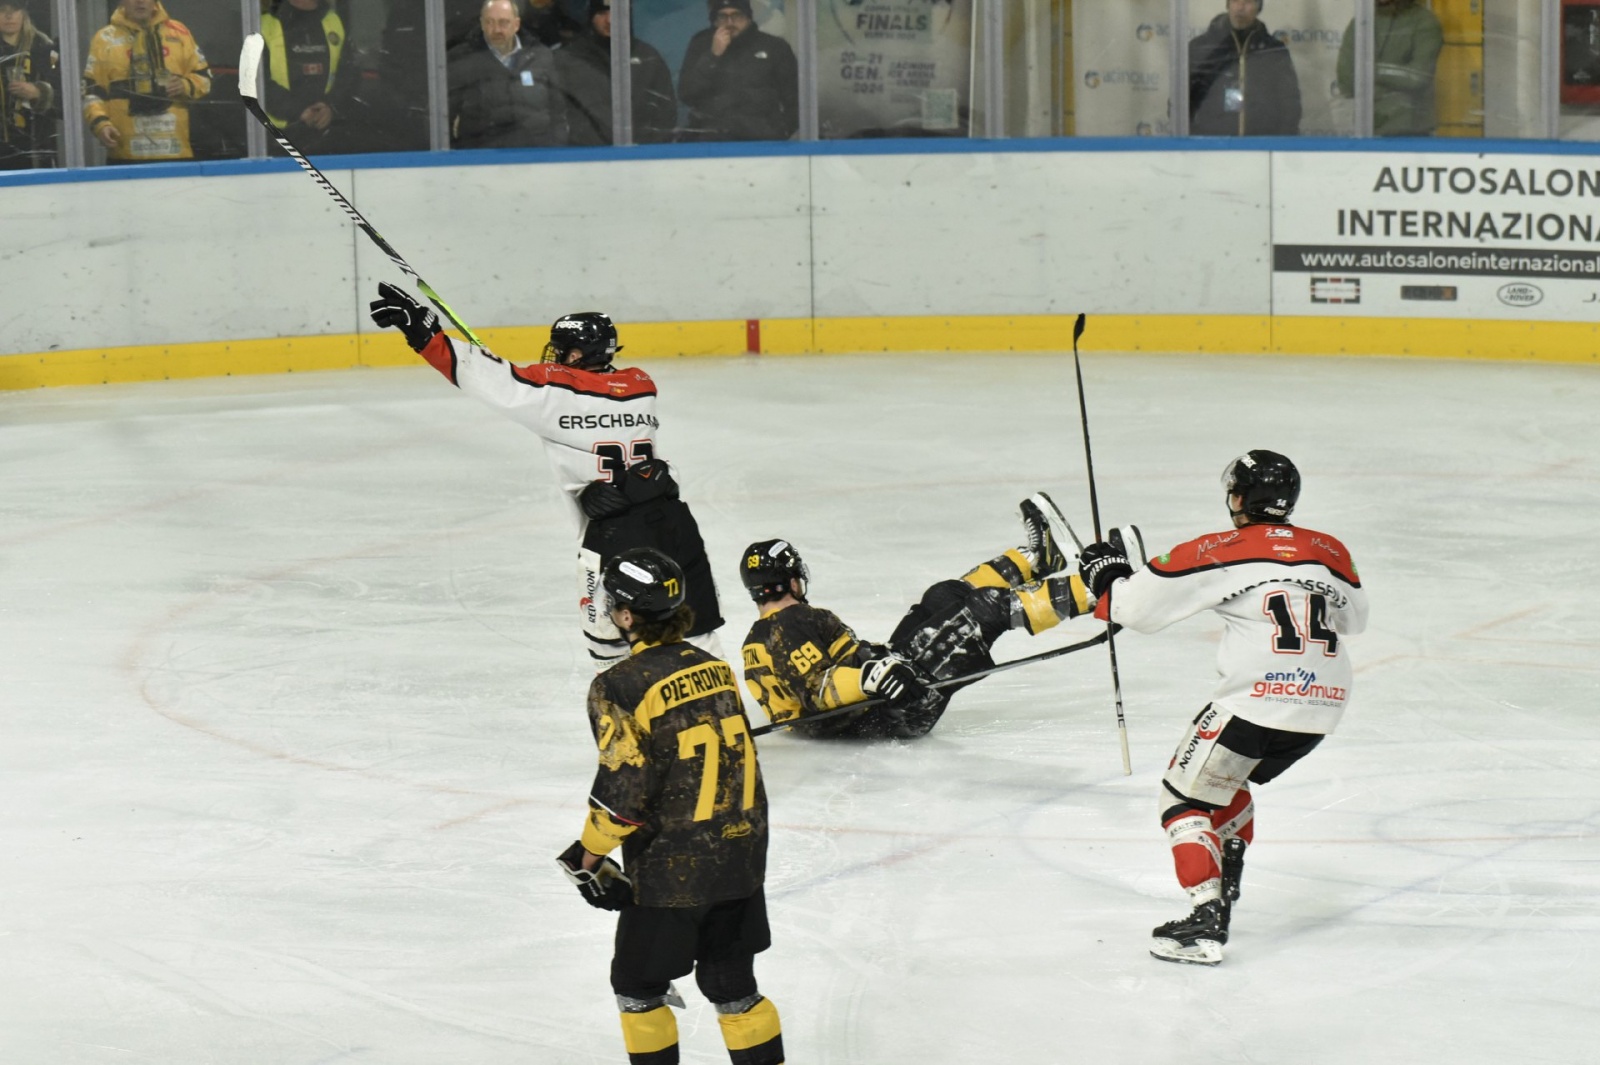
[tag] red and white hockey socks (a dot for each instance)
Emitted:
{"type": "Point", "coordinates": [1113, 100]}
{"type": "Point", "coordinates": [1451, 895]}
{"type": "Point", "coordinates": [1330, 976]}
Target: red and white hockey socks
{"type": "Point", "coordinates": [1196, 853]}
{"type": "Point", "coordinates": [1238, 818]}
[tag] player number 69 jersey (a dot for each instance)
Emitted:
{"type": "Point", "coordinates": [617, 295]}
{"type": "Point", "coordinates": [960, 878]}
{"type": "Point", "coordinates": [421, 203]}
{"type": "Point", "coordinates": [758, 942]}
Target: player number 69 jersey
{"type": "Point", "coordinates": [1288, 596]}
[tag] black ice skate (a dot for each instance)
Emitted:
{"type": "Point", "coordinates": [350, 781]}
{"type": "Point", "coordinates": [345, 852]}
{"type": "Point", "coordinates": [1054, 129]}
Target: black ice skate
{"type": "Point", "coordinates": [1196, 939]}
{"type": "Point", "coordinates": [1037, 512]}
{"type": "Point", "coordinates": [1232, 869]}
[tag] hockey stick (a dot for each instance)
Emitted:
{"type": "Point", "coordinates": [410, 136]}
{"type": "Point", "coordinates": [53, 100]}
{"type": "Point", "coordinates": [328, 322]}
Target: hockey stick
{"type": "Point", "coordinates": [976, 674]}
{"type": "Point", "coordinates": [1094, 513]}
{"type": "Point", "coordinates": [249, 69]}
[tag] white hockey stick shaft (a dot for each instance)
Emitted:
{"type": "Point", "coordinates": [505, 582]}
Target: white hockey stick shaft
{"type": "Point", "coordinates": [1094, 513]}
{"type": "Point", "coordinates": [249, 78]}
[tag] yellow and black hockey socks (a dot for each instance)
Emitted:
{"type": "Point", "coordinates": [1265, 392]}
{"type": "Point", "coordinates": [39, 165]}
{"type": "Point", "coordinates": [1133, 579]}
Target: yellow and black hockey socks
{"type": "Point", "coordinates": [651, 1038]}
{"type": "Point", "coordinates": [753, 1037]}
{"type": "Point", "coordinates": [1044, 605]}
{"type": "Point", "coordinates": [1010, 570]}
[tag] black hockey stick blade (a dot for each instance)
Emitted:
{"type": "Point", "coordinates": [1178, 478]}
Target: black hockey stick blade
{"type": "Point", "coordinates": [977, 674]}
{"type": "Point", "coordinates": [1077, 329]}
{"type": "Point", "coordinates": [249, 75]}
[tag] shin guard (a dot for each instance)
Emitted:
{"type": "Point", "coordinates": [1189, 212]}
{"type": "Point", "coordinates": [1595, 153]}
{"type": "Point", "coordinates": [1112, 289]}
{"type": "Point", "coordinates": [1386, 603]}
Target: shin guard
{"type": "Point", "coordinates": [754, 1036]}
{"type": "Point", "coordinates": [1010, 570]}
{"type": "Point", "coordinates": [1196, 854]}
{"type": "Point", "coordinates": [651, 1038]}
{"type": "Point", "coordinates": [1044, 605]}
{"type": "Point", "coordinates": [1238, 818]}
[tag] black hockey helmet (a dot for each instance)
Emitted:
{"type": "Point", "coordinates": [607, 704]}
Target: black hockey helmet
{"type": "Point", "coordinates": [767, 566]}
{"type": "Point", "coordinates": [590, 332]}
{"type": "Point", "coordinates": [1268, 484]}
{"type": "Point", "coordinates": [645, 581]}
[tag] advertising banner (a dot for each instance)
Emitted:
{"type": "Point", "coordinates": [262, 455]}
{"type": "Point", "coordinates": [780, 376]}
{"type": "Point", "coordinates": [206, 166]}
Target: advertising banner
{"type": "Point", "coordinates": [892, 67]}
{"type": "Point", "coordinates": [1120, 56]}
{"type": "Point", "coordinates": [1436, 236]}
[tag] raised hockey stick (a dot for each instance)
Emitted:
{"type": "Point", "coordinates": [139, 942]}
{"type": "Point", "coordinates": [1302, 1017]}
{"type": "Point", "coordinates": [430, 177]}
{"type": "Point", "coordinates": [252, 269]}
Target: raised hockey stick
{"type": "Point", "coordinates": [249, 70]}
{"type": "Point", "coordinates": [1094, 513]}
{"type": "Point", "coordinates": [976, 674]}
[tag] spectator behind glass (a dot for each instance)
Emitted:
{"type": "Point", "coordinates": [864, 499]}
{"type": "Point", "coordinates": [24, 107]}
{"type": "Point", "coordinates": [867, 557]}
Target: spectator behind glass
{"type": "Point", "coordinates": [30, 91]}
{"type": "Point", "coordinates": [1241, 78]}
{"type": "Point", "coordinates": [502, 87]}
{"type": "Point", "coordinates": [1408, 40]}
{"type": "Point", "coordinates": [583, 68]}
{"type": "Point", "coordinates": [547, 22]}
{"type": "Point", "coordinates": [738, 83]}
{"type": "Point", "coordinates": [143, 70]}
{"type": "Point", "coordinates": [307, 82]}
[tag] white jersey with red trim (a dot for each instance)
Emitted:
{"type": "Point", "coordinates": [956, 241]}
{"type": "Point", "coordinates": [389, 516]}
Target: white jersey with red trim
{"type": "Point", "coordinates": [1288, 597]}
{"type": "Point", "coordinates": [593, 425]}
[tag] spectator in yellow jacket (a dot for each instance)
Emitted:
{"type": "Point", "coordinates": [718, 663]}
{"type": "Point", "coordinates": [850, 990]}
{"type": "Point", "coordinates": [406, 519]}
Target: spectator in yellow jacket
{"type": "Point", "coordinates": [144, 69]}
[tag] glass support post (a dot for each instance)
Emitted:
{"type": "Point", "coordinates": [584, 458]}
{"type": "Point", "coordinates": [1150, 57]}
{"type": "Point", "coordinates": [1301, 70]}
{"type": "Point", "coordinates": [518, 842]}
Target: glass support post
{"type": "Point", "coordinates": [1178, 66]}
{"type": "Point", "coordinates": [69, 45]}
{"type": "Point", "coordinates": [255, 137]}
{"type": "Point", "coordinates": [994, 77]}
{"type": "Point", "coordinates": [1550, 69]}
{"type": "Point", "coordinates": [622, 72]}
{"type": "Point", "coordinates": [438, 84]}
{"type": "Point", "coordinates": [805, 50]}
{"type": "Point", "coordinates": [1365, 67]}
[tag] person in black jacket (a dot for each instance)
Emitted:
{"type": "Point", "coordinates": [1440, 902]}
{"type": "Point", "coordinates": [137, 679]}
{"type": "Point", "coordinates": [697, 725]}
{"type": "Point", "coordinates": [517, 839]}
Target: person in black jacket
{"type": "Point", "coordinates": [739, 84]}
{"type": "Point", "coordinates": [30, 91]}
{"type": "Point", "coordinates": [308, 81]}
{"type": "Point", "coordinates": [503, 87]}
{"type": "Point", "coordinates": [583, 67]}
{"type": "Point", "coordinates": [1241, 79]}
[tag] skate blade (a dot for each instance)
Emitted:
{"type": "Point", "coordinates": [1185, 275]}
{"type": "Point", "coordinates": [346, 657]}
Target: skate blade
{"type": "Point", "coordinates": [1200, 952]}
{"type": "Point", "coordinates": [1069, 545]}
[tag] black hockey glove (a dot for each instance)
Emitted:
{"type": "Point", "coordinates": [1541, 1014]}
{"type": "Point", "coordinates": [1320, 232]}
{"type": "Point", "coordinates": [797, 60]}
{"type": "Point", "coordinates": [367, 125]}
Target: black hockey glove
{"type": "Point", "coordinates": [603, 887]}
{"type": "Point", "coordinates": [393, 309]}
{"type": "Point", "coordinates": [892, 679]}
{"type": "Point", "coordinates": [602, 499]}
{"type": "Point", "coordinates": [867, 650]}
{"type": "Point", "coordinates": [1101, 563]}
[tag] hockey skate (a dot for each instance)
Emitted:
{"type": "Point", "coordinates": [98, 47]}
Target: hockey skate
{"type": "Point", "coordinates": [1047, 531]}
{"type": "Point", "coordinates": [1232, 868]}
{"type": "Point", "coordinates": [1196, 939]}
{"type": "Point", "coordinates": [1131, 540]}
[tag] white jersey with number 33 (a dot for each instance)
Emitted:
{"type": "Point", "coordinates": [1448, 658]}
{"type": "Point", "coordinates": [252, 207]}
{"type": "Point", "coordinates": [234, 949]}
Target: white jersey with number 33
{"type": "Point", "coordinates": [594, 425]}
{"type": "Point", "coordinates": [1288, 597]}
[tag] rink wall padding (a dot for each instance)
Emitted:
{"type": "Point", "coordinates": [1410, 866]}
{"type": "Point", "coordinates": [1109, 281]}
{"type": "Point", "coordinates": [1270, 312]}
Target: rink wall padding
{"type": "Point", "coordinates": [247, 268]}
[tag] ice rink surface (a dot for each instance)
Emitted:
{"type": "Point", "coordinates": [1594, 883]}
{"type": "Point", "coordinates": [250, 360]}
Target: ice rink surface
{"type": "Point", "coordinates": [293, 722]}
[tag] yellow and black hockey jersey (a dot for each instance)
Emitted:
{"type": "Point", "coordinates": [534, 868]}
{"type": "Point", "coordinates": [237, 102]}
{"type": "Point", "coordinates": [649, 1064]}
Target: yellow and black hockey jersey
{"type": "Point", "coordinates": [803, 660]}
{"type": "Point", "coordinates": [679, 785]}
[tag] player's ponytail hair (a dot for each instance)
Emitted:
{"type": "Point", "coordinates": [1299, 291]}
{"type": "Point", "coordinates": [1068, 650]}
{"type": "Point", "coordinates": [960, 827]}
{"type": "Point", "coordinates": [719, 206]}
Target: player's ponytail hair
{"type": "Point", "coordinates": [671, 629]}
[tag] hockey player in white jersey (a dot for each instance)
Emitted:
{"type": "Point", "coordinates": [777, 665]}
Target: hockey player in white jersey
{"type": "Point", "coordinates": [598, 425]}
{"type": "Point", "coordinates": [1288, 596]}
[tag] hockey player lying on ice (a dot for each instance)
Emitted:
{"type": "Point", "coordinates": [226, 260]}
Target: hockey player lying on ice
{"type": "Point", "coordinates": [801, 660]}
{"type": "Point", "coordinates": [1288, 596]}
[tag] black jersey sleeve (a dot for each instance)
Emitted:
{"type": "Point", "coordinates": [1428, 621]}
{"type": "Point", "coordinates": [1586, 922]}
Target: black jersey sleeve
{"type": "Point", "coordinates": [802, 660]}
{"type": "Point", "coordinates": [620, 798]}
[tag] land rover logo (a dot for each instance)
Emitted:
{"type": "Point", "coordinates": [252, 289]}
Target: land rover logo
{"type": "Point", "coordinates": [1520, 295]}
